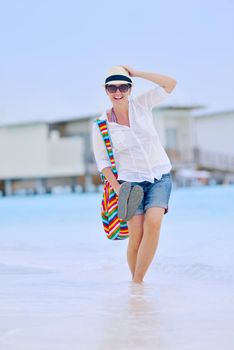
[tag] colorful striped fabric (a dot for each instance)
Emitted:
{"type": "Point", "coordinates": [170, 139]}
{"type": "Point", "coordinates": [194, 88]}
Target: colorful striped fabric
{"type": "Point", "coordinates": [114, 227]}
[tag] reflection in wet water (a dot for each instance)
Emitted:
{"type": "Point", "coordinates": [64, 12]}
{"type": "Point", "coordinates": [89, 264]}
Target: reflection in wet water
{"type": "Point", "coordinates": [134, 321]}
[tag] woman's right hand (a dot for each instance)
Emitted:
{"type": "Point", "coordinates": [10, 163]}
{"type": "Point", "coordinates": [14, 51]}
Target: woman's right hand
{"type": "Point", "coordinates": [109, 175]}
{"type": "Point", "coordinates": [117, 188]}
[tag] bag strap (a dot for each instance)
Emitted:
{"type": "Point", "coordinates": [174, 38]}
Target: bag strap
{"type": "Point", "coordinates": [102, 124]}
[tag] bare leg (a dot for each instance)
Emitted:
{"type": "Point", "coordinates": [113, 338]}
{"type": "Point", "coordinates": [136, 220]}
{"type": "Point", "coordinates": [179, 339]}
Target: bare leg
{"type": "Point", "coordinates": [135, 227]}
{"type": "Point", "coordinates": [151, 230]}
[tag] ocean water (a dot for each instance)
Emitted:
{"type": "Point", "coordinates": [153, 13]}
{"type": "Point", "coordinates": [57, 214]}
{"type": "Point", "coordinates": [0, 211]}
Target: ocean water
{"type": "Point", "coordinates": [64, 285]}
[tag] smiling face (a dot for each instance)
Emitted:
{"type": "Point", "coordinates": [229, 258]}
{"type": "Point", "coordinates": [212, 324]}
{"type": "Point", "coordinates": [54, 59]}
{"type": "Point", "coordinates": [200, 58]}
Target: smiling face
{"type": "Point", "coordinates": [118, 93]}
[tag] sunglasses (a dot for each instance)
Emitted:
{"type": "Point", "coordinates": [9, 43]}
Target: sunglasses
{"type": "Point", "coordinates": [122, 88]}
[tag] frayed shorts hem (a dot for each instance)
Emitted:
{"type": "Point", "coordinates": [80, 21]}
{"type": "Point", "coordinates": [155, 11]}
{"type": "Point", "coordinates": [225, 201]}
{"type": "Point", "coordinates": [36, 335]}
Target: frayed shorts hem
{"type": "Point", "coordinates": [142, 212]}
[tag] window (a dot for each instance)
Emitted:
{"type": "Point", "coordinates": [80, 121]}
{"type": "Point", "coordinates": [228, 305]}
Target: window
{"type": "Point", "coordinates": [171, 138]}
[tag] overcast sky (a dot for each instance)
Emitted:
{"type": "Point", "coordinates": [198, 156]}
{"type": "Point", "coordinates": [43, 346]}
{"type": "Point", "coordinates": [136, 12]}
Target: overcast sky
{"type": "Point", "coordinates": [54, 54]}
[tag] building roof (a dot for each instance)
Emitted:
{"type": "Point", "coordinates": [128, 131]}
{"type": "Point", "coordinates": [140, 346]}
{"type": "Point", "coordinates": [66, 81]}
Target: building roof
{"type": "Point", "coordinates": [22, 123]}
{"type": "Point", "coordinates": [213, 114]}
{"type": "Point", "coordinates": [181, 107]}
{"type": "Point", "coordinates": [73, 119]}
{"type": "Point", "coordinates": [63, 120]}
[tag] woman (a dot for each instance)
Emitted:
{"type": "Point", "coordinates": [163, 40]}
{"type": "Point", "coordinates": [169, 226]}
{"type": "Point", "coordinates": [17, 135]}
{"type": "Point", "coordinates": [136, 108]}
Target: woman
{"type": "Point", "coordinates": [140, 159]}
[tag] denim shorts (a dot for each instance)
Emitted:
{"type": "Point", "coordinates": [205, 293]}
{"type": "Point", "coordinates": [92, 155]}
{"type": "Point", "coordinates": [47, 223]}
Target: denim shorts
{"type": "Point", "coordinates": [156, 194]}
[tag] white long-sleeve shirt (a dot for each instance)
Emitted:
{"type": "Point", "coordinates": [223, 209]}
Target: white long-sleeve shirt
{"type": "Point", "coordinates": [138, 153]}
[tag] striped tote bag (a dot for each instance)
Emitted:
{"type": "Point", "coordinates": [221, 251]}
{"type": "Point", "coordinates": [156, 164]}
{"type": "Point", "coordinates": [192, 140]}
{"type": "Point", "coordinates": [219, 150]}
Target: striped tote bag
{"type": "Point", "coordinates": [114, 227]}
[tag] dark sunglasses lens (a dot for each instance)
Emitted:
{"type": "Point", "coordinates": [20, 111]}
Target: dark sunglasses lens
{"type": "Point", "coordinates": [111, 88]}
{"type": "Point", "coordinates": [123, 88]}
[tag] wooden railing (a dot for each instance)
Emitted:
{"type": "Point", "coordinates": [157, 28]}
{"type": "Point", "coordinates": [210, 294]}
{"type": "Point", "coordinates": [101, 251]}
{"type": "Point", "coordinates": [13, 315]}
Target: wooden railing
{"type": "Point", "coordinates": [214, 160]}
{"type": "Point", "coordinates": [204, 159]}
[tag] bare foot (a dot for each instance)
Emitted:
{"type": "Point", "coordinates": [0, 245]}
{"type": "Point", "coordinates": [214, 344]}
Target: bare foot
{"type": "Point", "coordinates": [138, 281]}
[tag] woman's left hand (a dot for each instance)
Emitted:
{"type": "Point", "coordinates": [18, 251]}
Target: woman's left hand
{"type": "Point", "coordinates": [132, 72]}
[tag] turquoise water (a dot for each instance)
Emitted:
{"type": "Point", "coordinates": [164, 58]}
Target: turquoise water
{"type": "Point", "coordinates": [63, 284]}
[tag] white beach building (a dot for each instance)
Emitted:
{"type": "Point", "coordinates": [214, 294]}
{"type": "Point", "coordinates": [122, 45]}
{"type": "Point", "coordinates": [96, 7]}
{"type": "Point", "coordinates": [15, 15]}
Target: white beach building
{"type": "Point", "coordinates": [197, 143]}
{"type": "Point", "coordinates": [34, 152]}
{"type": "Point", "coordinates": [214, 140]}
{"type": "Point", "coordinates": [41, 155]}
{"type": "Point", "coordinates": [177, 133]}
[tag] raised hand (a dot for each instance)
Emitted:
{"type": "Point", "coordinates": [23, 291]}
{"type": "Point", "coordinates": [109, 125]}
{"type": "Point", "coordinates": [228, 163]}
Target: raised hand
{"type": "Point", "coordinates": [132, 72]}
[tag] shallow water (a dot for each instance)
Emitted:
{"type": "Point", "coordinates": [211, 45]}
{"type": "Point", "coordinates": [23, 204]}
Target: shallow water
{"type": "Point", "coordinates": [63, 284]}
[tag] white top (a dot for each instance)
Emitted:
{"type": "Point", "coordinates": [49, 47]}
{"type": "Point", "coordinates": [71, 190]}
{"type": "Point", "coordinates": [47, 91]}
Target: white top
{"type": "Point", "coordinates": [139, 155]}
